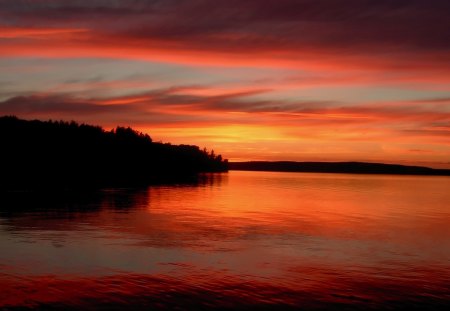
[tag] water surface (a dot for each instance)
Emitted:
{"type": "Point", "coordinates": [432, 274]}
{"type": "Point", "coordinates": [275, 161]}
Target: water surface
{"type": "Point", "coordinates": [232, 241]}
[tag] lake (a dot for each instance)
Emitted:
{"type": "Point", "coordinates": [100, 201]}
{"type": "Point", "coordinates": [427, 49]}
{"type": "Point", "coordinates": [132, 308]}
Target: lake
{"type": "Point", "coordinates": [240, 240]}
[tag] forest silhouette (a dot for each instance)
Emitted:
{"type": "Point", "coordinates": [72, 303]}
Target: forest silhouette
{"type": "Point", "coordinates": [68, 154]}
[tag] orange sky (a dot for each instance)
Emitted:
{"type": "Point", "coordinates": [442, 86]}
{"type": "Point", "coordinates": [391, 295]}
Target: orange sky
{"type": "Point", "coordinates": [278, 80]}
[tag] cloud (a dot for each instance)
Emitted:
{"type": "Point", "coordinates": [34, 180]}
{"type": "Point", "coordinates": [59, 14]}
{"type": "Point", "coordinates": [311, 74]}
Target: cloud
{"type": "Point", "coordinates": [176, 106]}
{"type": "Point", "coordinates": [359, 22]}
{"type": "Point", "coordinates": [372, 34]}
{"type": "Point", "coordinates": [18, 32]}
{"type": "Point", "coordinates": [51, 104]}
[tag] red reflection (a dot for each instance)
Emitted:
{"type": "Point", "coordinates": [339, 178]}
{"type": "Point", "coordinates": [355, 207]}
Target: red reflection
{"type": "Point", "coordinates": [309, 287]}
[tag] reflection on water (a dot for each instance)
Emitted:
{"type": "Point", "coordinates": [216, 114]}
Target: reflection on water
{"type": "Point", "coordinates": [237, 240]}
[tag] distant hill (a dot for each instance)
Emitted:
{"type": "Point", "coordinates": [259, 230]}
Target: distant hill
{"type": "Point", "coordinates": [336, 167]}
{"type": "Point", "coordinates": [70, 154]}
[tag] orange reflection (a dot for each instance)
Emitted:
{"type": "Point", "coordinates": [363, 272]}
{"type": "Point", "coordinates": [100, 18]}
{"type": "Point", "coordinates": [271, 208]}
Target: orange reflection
{"type": "Point", "coordinates": [243, 238]}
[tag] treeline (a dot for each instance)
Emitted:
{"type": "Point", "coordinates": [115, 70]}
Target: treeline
{"type": "Point", "coordinates": [337, 167]}
{"type": "Point", "coordinates": [72, 154]}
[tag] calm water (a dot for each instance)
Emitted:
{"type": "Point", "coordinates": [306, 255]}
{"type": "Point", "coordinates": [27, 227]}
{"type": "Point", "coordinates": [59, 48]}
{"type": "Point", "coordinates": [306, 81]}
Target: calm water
{"type": "Point", "coordinates": [238, 240]}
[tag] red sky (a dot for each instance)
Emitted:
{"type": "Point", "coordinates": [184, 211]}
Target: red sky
{"type": "Point", "coordinates": [313, 80]}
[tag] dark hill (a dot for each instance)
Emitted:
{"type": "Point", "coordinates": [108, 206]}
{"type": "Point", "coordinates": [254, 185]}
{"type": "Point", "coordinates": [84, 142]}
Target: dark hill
{"type": "Point", "coordinates": [71, 154]}
{"type": "Point", "coordinates": [337, 167]}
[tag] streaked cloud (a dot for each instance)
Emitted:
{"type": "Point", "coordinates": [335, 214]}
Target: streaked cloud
{"type": "Point", "coordinates": [396, 35]}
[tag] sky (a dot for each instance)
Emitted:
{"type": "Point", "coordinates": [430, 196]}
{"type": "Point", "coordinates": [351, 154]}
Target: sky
{"type": "Point", "coordinates": [302, 80]}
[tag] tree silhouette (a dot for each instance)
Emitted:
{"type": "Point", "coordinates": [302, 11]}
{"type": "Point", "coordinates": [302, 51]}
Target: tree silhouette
{"type": "Point", "coordinates": [68, 153]}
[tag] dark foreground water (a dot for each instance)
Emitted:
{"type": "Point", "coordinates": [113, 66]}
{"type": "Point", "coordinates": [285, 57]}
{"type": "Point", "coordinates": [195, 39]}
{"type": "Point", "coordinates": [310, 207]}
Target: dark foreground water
{"type": "Point", "coordinates": [232, 241]}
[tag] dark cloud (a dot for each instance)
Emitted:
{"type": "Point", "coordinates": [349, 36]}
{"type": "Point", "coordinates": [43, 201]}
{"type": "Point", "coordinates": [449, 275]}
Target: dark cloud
{"type": "Point", "coordinates": [241, 101]}
{"type": "Point", "coordinates": [434, 100]}
{"type": "Point", "coordinates": [54, 104]}
{"type": "Point", "coordinates": [65, 107]}
{"type": "Point", "coordinates": [175, 105]}
{"type": "Point", "coordinates": [363, 25]}
{"type": "Point", "coordinates": [159, 106]}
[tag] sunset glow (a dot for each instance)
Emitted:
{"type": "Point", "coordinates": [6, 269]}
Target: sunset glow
{"type": "Point", "coordinates": [254, 80]}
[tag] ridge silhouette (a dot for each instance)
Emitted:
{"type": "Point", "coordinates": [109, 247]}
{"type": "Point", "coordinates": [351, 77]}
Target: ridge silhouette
{"type": "Point", "coordinates": [68, 154]}
{"type": "Point", "coordinates": [336, 167]}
